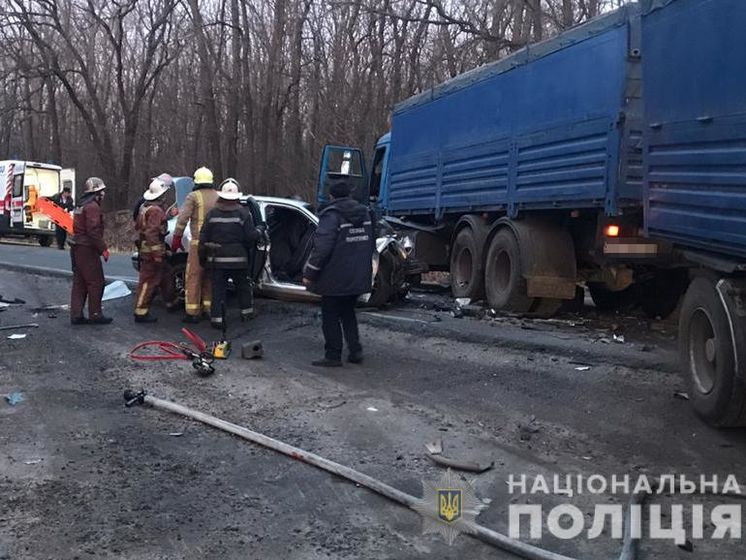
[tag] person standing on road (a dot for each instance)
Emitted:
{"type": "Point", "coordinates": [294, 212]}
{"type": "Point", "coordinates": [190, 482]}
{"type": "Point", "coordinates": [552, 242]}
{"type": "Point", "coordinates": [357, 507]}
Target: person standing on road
{"type": "Point", "coordinates": [227, 244]}
{"type": "Point", "coordinates": [340, 270]}
{"type": "Point", "coordinates": [88, 246]}
{"type": "Point", "coordinates": [64, 200]}
{"type": "Point", "coordinates": [196, 206]}
{"type": "Point", "coordinates": [152, 226]}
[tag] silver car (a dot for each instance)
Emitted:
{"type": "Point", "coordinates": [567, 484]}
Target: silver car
{"type": "Point", "coordinates": [279, 264]}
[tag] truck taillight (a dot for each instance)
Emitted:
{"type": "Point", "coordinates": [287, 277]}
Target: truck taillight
{"type": "Point", "coordinates": [612, 230]}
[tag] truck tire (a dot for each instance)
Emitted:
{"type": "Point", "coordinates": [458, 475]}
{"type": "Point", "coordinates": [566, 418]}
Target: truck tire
{"type": "Point", "coordinates": [660, 296]}
{"type": "Point", "coordinates": [707, 356]}
{"type": "Point", "coordinates": [467, 276]}
{"type": "Point", "coordinates": [45, 241]}
{"type": "Point", "coordinates": [505, 285]}
{"type": "Point", "coordinates": [606, 300]}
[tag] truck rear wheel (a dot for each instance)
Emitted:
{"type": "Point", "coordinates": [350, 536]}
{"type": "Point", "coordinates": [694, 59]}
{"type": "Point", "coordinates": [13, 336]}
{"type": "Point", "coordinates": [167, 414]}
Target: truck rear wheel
{"type": "Point", "coordinates": [505, 285]}
{"type": "Point", "coordinates": [708, 357]}
{"type": "Point", "coordinates": [467, 276]}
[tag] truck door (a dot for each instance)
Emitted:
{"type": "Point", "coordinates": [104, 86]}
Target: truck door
{"type": "Point", "coordinates": [340, 163]}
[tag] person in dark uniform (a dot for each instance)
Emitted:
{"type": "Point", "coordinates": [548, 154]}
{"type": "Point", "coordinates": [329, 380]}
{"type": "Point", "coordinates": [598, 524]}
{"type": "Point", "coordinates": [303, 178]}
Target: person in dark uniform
{"type": "Point", "coordinates": [226, 246]}
{"type": "Point", "coordinates": [88, 246]}
{"type": "Point", "coordinates": [340, 270]}
{"type": "Point", "coordinates": [64, 200]}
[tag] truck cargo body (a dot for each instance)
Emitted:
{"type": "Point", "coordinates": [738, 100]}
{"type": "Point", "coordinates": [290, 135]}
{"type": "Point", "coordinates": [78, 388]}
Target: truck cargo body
{"type": "Point", "coordinates": [695, 137]}
{"type": "Point", "coordinates": [555, 125]}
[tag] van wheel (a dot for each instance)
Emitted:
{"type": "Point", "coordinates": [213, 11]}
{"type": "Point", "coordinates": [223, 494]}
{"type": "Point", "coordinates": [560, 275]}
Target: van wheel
{"type": "Point", "coordinates": [708, 357]}
{"type": "Point", "coordinates": [45, 241]}
{"type": "Point", "coordinates": [505, 285]}
{"type": "Point", "coordinates": [467, 276]}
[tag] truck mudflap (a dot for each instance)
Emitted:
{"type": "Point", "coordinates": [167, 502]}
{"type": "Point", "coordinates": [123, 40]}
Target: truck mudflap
{"type": "Point", "coordinates": [732, 293]}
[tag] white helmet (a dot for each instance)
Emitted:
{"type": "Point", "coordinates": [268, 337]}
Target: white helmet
{"type": "Point", "coordinates": [94, 185]}
{"type": "Point", "coordinates": [230, 190]}
{"type": "Point", "coordinates": [156, 189]}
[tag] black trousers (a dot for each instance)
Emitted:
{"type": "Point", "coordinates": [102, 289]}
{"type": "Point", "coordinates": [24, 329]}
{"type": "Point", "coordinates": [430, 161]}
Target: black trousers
{"type": "Point", "coordinates": [244, 289]}
{"type": "Point", "coordinates": [338, 316]}
{"type": "Point", "coordinates": [61, 236]}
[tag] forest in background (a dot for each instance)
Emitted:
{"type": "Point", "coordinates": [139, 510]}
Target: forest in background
{"type": "Point", "coordinates": [127, 89]}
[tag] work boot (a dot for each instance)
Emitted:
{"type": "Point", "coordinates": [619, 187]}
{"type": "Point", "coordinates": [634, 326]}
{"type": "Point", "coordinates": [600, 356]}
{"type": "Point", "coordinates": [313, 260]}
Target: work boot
{"type": "Point", "coordinates": [147, 318]}
{"type": "Point", "coordinates": [193, 319]}
{"type": "Point", "coordinates": [326, 362]}
{"type": "Point", "coordinates": [100, 320]}
{"type": "Point", "coordinates": [78, 321]}
{"type": "Point", "coordinates": [247, 315]}
{"type": "Point", "coordinates": [355, 357]}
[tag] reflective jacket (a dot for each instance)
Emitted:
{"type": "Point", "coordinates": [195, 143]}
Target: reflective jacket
{"type": "Point", "coordinates": [88, 225]}
{"type": "Point", "coordinates": [152, 225]}
{"type": "Point", "coordinates": [341, 261]}
{"type": "Point", "coordinates": [194, 211]}
{"type": "Point", "coordinates": [228, 237]}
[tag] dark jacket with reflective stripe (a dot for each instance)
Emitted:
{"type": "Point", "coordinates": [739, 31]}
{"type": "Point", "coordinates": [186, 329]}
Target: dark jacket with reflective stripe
{"type": "Point", "coordinates": [341, 261]}
{"type": "Point", "coordinates": [228, 236]}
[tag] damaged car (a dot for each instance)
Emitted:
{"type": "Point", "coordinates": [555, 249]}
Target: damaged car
{"type": "Point", "coordinates": [277, 270]}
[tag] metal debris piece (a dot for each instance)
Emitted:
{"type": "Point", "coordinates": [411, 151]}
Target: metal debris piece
{"type": "Point", "coordinates": [681, 395]}
{"type": "Point", "coordinates": [435, 450]}
{"type": "Point", "coordinates": [252, 350]}
{"type": "Point", "coordinates": [14, 398]}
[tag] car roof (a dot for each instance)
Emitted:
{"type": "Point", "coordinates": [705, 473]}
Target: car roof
{"type": "Point", "coordinates": [278, 200]}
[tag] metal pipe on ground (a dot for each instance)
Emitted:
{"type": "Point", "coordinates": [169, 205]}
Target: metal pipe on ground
{"type": "Point", "coordinates": [484, 534]}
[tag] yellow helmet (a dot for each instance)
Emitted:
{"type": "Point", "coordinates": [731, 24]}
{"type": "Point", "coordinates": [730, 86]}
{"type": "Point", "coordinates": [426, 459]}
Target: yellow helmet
{"type": "Point", "coordinates": [203, 176]}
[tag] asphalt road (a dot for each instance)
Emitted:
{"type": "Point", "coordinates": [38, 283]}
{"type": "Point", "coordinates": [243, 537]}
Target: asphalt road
{"type": "Point", "coordinates": [83, 477]}
{"type": "Point", "coordinates": [52, 260]}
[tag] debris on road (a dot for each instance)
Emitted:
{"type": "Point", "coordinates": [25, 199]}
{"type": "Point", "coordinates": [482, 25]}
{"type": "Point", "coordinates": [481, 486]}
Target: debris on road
{"type": "Point", "coordinates": [49, 308]}
{"type": "Point", "coordinates": [435, 450]}
{"type": "Point", "coordinates": [619, 338]}
{"type": "Point", "coordinates": [176, 434]}
{"type": "Point", "coordinates": [18, 327]}
{"type": "Point", "coordinates": [16, 336]}
{"type": "Point", "coordinates": [14, 301]}
{"type": "Point", "coordinates": [32, 462]}
{"type": "Point", "coordinates": [582, 368]}
{"type": "Point", "coordinates": [115, 290]}
{"type": "Point", "coordinates": [252, 350]}
{"type": "Point", "coordinates": [372, 409]}
{"type": "Point", "coordinates": [681, 395]}
{"type": "Point", "coordinates": [14, 398]}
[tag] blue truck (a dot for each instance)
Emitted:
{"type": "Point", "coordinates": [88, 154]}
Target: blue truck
{"type": "Point", "coordinates": [612, 156]}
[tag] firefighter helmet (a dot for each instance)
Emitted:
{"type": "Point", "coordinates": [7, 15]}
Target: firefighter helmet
{"type": "Point", "coordinates": [156, 190]}
{"type": "Point", "coordinates": [203, 176]}
{"type": "Point", "coordinates": [230, 190]}
{"type": "Point", "coordinates": [94, 185]}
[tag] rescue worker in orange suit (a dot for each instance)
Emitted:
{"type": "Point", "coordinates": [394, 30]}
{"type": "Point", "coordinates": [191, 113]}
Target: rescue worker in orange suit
{"type": "Point", "coordinates": [197, 284]}
{"type": "Point", "coordinates": [227, 244]}
{"type": "Point", "coordinates": [87, 248]}
{"type": "Point", "coordinates": [152, 226]}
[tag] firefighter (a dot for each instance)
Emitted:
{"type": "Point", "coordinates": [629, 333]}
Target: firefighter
{"type": "Point", "coordinates": [167, 180]}
{"type": "Point", "coordinates": [65, 201]}
{"type": "Point", "coordinates": [340, 270]}
{"type": "Point", "coordinates": [227, 244]}
{"type": "Point", "coordinates": [87, 248]}
{"type": "Point", "coordinates": [196, 206]}
{"type": "Point", "coordinates": [152, 226]}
